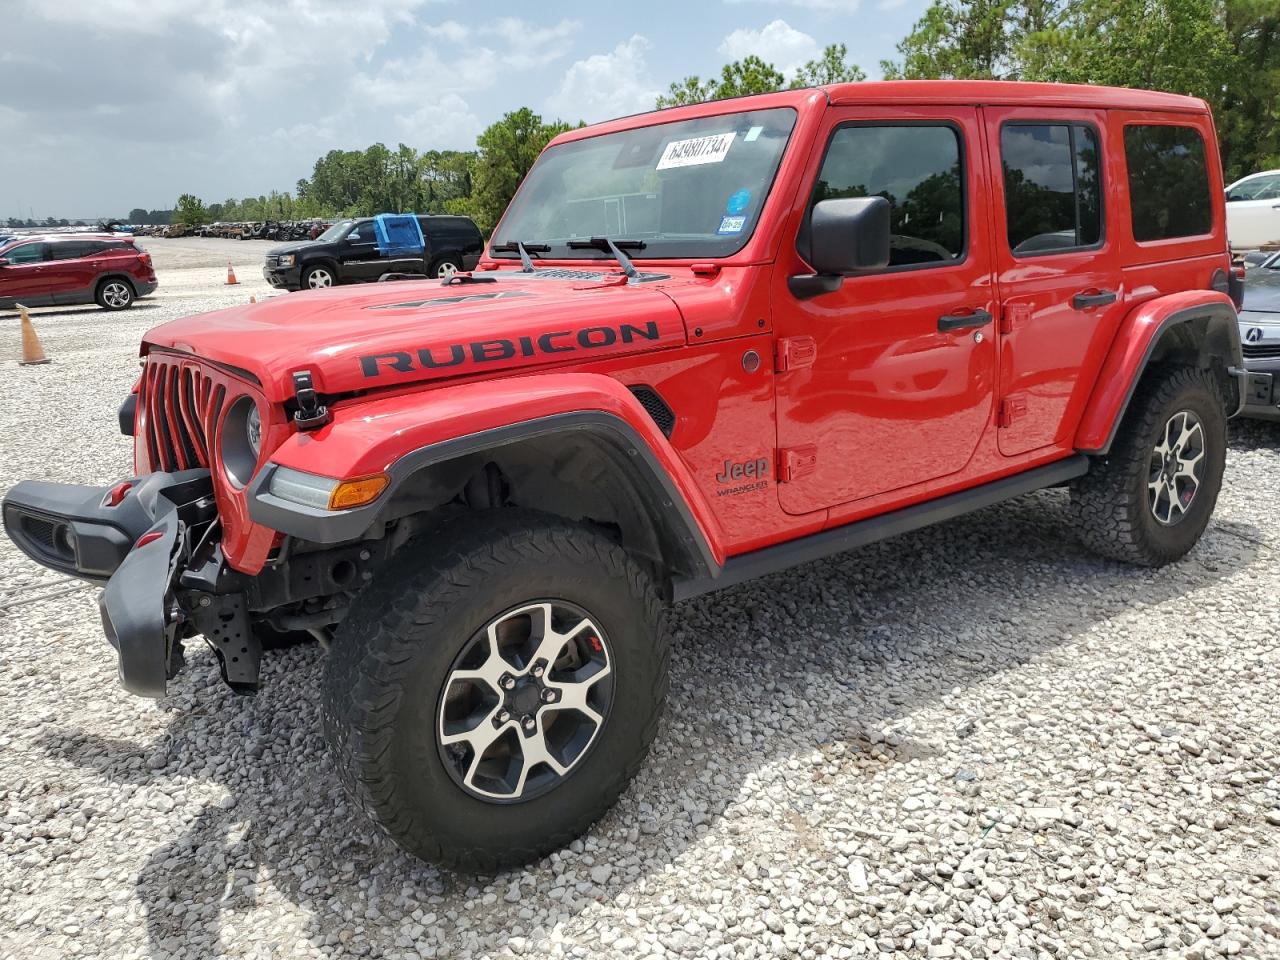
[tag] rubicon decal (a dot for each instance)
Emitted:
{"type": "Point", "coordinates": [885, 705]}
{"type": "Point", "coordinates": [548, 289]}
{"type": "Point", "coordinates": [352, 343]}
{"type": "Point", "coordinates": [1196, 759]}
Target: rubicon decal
{"type": "Point", "coordinates": [549, 344]}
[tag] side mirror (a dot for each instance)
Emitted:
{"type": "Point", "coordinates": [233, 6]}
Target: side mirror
{"type": "Point", "coordinates": [3, 262]}
{"type": "Point", "coordinates": [843, 238]}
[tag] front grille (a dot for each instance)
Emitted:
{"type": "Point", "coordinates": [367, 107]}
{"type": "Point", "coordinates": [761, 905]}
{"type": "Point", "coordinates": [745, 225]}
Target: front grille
{"type": "Point", "coordinates": [181, 405]}
{"type": "Point", "coordinates": [1269, 351]}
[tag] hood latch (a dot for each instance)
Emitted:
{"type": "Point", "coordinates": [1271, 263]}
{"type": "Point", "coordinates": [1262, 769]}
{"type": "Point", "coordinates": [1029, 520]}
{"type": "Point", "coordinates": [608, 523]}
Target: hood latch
{"type": "Point", "coordinates": [311, 413]}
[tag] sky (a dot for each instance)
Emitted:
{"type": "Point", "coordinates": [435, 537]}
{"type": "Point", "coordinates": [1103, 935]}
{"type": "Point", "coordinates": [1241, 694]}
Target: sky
{"type": "Point", "coordinates": [106, 105]}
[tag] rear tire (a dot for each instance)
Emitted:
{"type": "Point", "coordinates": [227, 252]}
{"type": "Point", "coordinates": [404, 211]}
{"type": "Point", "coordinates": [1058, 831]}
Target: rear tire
{"type": "Point", "coordinates": [114, 293]}
{"type": "Point", "coordinates": [443, 267]}
{"type": "Point", "coordinates": [488, 619]}
{"type": "Point", "coordinates": [1148, 501]}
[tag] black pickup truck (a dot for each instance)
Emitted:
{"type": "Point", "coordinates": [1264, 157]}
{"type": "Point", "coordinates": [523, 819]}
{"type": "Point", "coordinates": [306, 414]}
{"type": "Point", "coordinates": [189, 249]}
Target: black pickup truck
{"type": "Point", "coordinates": [348, 252]}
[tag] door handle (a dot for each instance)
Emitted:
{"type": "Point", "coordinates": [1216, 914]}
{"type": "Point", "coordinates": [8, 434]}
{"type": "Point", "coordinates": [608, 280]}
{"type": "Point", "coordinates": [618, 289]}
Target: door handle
{"type": "Point", "coordinates": [1087, 301]}
{"type": "Point", "coordinates": [964, 321]}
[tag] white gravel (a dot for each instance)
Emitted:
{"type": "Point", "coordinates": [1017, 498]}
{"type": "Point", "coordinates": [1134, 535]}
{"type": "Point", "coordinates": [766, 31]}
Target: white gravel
{"type": "Point", "coordinates": [975, 741]}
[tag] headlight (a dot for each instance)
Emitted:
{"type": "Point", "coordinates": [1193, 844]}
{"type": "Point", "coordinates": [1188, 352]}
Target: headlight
{"type": "Point", "coordinates": [241, 440]}
{"type": "Point", "coordinates": [253, 431]}
{"type": "Point", "coordinates": [286, 260]}
{"type": "Point", "coordinates": [325, 493]}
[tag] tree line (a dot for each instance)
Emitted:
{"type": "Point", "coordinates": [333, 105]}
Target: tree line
{"type": "Point", "coordinates": [1225, 51]}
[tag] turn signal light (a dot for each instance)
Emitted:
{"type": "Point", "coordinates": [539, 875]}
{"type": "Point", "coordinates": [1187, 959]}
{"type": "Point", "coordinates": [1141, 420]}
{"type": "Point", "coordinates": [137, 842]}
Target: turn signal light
{"type": "Point", "coordinates": [356, 493]}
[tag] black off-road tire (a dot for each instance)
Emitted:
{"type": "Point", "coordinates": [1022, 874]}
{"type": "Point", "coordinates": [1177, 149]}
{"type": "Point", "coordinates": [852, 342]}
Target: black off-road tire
{"type": "Point", "coordinates": [1109, 504]}
{"type": "Point", "coordinates": [386, 671]}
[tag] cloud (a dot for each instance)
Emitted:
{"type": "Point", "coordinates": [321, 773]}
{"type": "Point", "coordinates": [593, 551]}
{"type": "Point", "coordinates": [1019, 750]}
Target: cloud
{"type": "Point", "coordinates": [229, 97]}
{"type": "Point", "coordinates": [776, 42]}
{"type": "Point", "coordinates": [606, 85]}
{"type": "Point", "coordinates": [824, 6]}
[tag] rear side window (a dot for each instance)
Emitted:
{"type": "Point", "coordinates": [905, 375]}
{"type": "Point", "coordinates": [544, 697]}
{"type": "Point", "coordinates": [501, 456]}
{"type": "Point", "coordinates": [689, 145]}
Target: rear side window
{"type": "Point", "coordinates": [1052, 187]}
{"type": "Point", "coordinates": [74, 249]}
{"type": "Point", "coordinates": [917, 169]}
{"type": "Point", "coordinates": [1168, 182]}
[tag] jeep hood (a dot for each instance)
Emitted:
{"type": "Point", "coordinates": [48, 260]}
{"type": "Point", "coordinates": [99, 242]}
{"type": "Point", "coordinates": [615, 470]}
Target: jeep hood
{"type": "Point", "coordinates": [385, 334]}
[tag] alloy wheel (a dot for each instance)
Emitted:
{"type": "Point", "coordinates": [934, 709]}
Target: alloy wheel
{"type": "Point", "coordinates": [117, 294]}
{"type": "Point", "coordinates": [1176, 468]}
{"type": "Point", "coordinates": [524, 701]}
{"type": "Point", "coordinates": [319, 279]}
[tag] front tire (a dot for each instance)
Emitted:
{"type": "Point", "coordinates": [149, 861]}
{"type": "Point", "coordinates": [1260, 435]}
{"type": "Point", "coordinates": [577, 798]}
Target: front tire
{"type": "Point", "coordinates": [1149, 500]}
{"type": "Point", "coordinates": [492, 694]}
{"type": "Point", "coordinates": [114, 294]}
{"type": "Point", "coordinates": [443, 268]}
{"type": "Point", "coordinates": [318, 278]}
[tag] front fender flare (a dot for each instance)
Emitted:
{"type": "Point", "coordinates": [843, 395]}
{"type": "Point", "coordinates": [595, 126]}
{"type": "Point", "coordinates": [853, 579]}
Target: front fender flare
{"type": "Point", "coordinates": [401, 435]}
{"type": "Point", "coordinates": [1136, 341]}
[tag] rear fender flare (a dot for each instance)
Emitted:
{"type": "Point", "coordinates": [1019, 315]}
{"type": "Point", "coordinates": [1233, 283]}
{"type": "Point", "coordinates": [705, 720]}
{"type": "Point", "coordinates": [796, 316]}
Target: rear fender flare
{"type": "Point", "coordinates": [1143, 335]}
{"type": "Point", "coordinates": [405, 435]}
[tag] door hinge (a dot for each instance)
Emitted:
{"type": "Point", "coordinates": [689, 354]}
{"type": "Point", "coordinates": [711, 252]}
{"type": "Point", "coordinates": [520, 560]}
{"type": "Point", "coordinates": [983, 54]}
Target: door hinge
{"type": "Point", "coordinates": [1011, 409]}
{"type": "Point", "coordinates": [1013, 316]}
{"type": "Point", "coordinates": [795, 353]}
{"type": "Point", "coordinates": [796, 463]}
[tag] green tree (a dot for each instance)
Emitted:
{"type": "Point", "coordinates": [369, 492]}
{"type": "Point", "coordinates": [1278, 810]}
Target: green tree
{"type": "Point", "coordinates": [739, 78]}
{"type": "Point", "coordinates": [832, 67]}
{"type": "Point", "coordinates": [507, 149]}
{"type": "Point", "coordinates": [1181, 46]}
{"type": "Point", "coordinates": [190, 211]}
{"type": "Point", "coordinates": [973, 39]}
{"type": "Point", "coordinates": [1248, 115]}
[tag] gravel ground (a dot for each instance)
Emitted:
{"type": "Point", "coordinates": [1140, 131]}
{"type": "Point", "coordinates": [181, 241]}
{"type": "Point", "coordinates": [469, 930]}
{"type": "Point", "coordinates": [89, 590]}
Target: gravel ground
{"type": "Point", "coordinates": [973, 741]}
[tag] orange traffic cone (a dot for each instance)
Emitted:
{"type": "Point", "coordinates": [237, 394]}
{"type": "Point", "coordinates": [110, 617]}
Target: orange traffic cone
{"type": "Point", "coordinates": [32, 352]}
{"type": "Point", "coordinates": [231, 275]}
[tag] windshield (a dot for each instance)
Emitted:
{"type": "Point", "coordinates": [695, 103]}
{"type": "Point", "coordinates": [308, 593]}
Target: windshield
{"type": "Point", "coordinates": [336, 231]}
{"type": "Point", "coordinates": [693, 188]}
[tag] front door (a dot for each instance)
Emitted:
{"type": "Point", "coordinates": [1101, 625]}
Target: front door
{"type": "Point", "coordinates": [359, 254]}
{"type": "Point", "coordinates": [1057, 270]}
{"type": "Point", "coordinates": [889, 381]}
{"type": "Point", "coordinates": [24, 278]}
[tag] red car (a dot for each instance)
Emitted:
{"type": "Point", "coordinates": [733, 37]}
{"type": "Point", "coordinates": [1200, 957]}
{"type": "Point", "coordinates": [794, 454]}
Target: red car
{"type": "Point", "coordinates": [703, 345]}
{"type": "Point", "coordinates": [103, 268]}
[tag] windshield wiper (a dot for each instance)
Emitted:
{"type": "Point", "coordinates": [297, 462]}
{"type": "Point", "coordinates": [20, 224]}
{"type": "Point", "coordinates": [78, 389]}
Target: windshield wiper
{"type": "Point", "coordinates": [614, 247]}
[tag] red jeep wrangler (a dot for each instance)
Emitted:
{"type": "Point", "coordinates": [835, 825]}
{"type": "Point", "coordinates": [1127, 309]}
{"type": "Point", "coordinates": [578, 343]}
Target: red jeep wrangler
{"type": "Point", "coordinates": [704, 344]}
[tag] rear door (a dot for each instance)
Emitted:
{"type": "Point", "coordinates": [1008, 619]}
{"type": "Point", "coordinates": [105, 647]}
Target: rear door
{"type": "Point", "coordinates": [888, 381]}
{"type": "Point", "coordinates": [1057, 267]}
{"type": "Point", "coordinates": [24, 276]}
{"type": "Point", "coordinates": [72, 269]}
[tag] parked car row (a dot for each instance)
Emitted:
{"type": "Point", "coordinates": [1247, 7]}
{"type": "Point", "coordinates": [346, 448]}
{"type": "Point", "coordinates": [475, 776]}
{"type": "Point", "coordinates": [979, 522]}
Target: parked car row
{"type": "Point", "coordinates": [241, 230]}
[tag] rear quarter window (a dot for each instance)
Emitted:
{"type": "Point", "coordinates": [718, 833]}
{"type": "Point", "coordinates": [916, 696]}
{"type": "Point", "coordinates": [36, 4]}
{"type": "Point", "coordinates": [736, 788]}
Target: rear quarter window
{"type": "Point", "coordinates": [1169, 191]}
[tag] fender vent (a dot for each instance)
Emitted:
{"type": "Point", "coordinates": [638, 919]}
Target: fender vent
{"type": "Point", "coordinates": [657, 408]}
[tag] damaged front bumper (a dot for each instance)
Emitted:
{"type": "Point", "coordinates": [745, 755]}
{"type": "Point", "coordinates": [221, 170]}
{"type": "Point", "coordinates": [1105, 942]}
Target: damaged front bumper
{"type": "Point", "coordinates": [142, 539]}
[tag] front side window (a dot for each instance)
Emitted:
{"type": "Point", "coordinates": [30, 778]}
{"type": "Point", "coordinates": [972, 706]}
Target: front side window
{"type": "Point", "coordinates": [692, 188]}
{"type": "Point", "coordinates": [918, 169]}
{"type": "Point", "coordinates": [26, 253]}
{"type": "Point", "coordinates": [1052, 186]}
{"type": "Point", "coordinates": [1255, 188]}
{"type": "Point", "coordinates": [1168, 182]}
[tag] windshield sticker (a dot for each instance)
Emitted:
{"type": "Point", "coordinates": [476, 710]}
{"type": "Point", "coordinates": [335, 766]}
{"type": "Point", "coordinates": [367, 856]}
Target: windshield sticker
{"type": "Point", "coordinates": [738, 202]}
{"type": "Point", "coordinates": [731, 225]}
{"type": "Point", "coordinates": [699, 150]}
{"type": "Point", "coordinates": [752, 134]}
